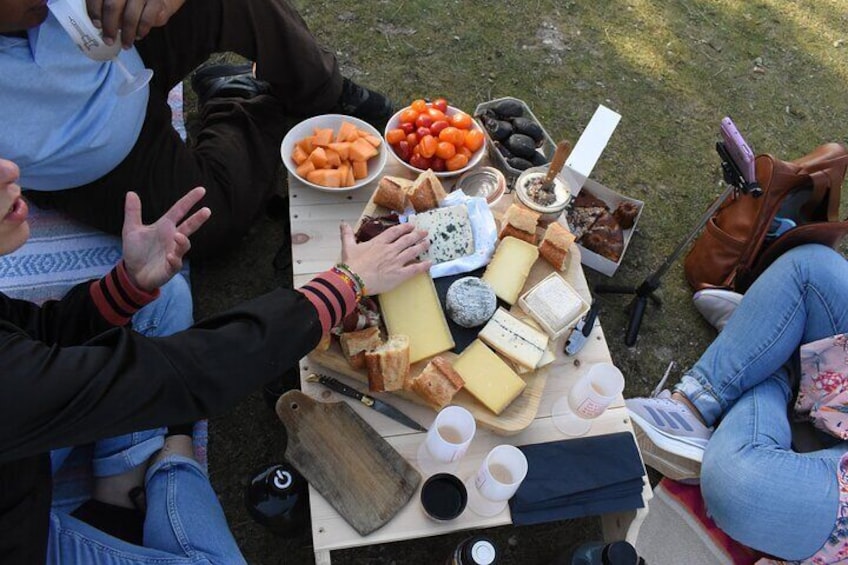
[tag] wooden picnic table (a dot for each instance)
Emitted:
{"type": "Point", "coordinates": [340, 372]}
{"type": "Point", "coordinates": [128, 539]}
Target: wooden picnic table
{"type": "Point", "coordinates": [315, 216]}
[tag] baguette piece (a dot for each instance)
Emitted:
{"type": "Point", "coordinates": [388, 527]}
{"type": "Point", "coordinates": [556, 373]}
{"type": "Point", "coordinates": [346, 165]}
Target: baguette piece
{"type": "Point", "coordinates": [392, 192]}
{"type": "Point", "coordinates": [388, 364]}
{"type": "Point", "coordinates": [355, 344]}
{"type": "Point", "coordinates": [519, 222]}
{"type": "Point", "coordinates": [438, 383]}
{"type": "Point", "coordinates": [555, 244]}
{"type": "Point", "coordinates": [426, 192]}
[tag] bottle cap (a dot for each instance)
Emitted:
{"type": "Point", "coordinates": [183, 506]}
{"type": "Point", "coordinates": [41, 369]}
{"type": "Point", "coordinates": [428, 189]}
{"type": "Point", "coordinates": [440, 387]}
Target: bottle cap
{"type": "Point", "coordinates": [620, 553]}
{"type": "Point", "coordinates": [483, 552]}
{"type": "Point", "coordinates": [281, 479]}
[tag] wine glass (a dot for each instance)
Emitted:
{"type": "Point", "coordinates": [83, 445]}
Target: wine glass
{"type": "Point", "coordinates": [73, 16]}
{"type": "Point", "coordinates": [593, 392]}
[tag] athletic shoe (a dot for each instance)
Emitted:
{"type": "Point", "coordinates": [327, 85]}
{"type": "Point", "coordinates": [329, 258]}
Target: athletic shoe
{"type": "Point", "coordinates": [716, 305]}
{"type": "Point", "coordinates": [226, 81]}
{"type": "Point", "coordinates": [365, 104]}
{"type": "Point", "coordinates": [670, 426]}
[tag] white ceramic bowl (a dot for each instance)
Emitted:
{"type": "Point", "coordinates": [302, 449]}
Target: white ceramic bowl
{"type": "Point", "coordinates": [394, 123]}
{"type": "Point", "coordinates": [334, 121]}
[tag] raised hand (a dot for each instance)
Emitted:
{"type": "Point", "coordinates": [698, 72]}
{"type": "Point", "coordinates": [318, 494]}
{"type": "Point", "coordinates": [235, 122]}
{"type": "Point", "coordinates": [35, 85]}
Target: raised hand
{"type": "Point", "coordinates": [387, 260]}
{"type": "Point", "coordinates": [134, 18]}
{"type": "Point", "coordinates": [153, 254]}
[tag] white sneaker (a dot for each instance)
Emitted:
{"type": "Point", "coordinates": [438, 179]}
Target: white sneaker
{"type": "Point", "coordinates": [670, 426]}
{"type": "Point", "coordinates": [716, 305]}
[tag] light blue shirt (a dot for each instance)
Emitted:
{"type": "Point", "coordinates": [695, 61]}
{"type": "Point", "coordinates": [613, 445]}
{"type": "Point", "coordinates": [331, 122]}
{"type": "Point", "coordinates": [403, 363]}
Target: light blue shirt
{"type": "Point", "coordinates": [63, 122]}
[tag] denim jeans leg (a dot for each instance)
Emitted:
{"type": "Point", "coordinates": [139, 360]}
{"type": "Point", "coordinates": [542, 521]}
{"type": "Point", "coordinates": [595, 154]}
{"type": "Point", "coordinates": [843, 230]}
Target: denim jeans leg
{"type": "Point", "coordinates": [757, 489]}
{"type": "Point", "coordinates": [802, 297]}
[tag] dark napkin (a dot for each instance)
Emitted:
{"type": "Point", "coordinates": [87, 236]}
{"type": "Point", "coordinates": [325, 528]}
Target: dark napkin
{"type": "Point", "coordinates": [579, 477]}
{"type": "Point", "coordinates": [462, 337]}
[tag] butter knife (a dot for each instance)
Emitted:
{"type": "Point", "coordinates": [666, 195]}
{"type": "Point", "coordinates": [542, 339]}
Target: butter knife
{"type": "Point", "coordinates": [369, 401]}
{"type": "Point", "coordinates": [581, 331]}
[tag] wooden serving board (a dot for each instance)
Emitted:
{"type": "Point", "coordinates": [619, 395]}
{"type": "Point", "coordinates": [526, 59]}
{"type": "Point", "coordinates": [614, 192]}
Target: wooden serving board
{"type": "Point", "coordinates": [346, 460]}
{"type": "Point", "coordinates": [521, 412]}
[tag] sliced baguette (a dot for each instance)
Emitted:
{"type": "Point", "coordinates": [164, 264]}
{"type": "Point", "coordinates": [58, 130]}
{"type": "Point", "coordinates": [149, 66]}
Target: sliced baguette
{"type": "Point", "coordinates": [388, 364]}
{"type": "Point", "coordinates": [438, 383]}
{"type": "Point", "coordinates": [355, 344]}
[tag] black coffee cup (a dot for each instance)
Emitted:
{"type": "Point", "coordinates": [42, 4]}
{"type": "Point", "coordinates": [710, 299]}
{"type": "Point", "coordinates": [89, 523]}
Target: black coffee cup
{"type": "Point", "coordinates": [443, 497]}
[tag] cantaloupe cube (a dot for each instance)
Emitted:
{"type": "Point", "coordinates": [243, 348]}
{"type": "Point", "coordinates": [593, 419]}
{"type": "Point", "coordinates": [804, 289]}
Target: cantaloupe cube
{"type": "Point", "coordinates": [347, 132]}
{"type": "Point", "coordinates": [362, 133]}
{"type": "Point", "coordinates": [361, 150]}
{"type": "Point", "coordinates": [373, 140]}
{"type": "Point", "coordinates": [333, 159]}
{"type": "Point", "coordinates": [351, 179]}
{"type": "Point", "coordinates": [319, 158]}
{"type": "Point", "coordinates": [323, 137]}
{"type": "Point", "coordinates": [359, 169]}
{"type": "Point", "coordinates": [305, 168]}
{"type": "Point", "coordinates": [342, 148]}
{"type": "Point", "coordinates": [306, 145]}
{"type": "Point", "coordinates": [344, 170]}
{"type": "Point", "coordinates": [325, 177]}
{"type": "Point", "coordinates": [299, 155]}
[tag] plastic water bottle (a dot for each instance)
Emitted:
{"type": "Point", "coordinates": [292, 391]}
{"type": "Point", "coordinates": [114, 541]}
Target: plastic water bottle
{"type": "Point", "coordinates": [278, 498]}
{"type": "Point", "coordinates": [600, 553]}
{"type": "Point", "coordinates": [477, 550]}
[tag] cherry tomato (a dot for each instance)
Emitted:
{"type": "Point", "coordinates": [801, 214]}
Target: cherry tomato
{"type": "Point", "coordinates": [408, 116]}
{"type": "Point", "coordinates": [452, 135]}
{"type": "Point", "coordinates": [412, 139]}
{"type": "Point", "coordinates": [423, 121]}
{"type": "Point", "coordinates": [461, 120]}
{"type": "Point", "coordinates": [422, 132]}
{"type": "Point", "coordinates": [419, 105]}
{"type": "Point", "coordinates": [474, 139]}
{"type": "Point", "coordinates": [440, 104]}
{"type": "Point", "coordinates": [456, 162]}
{"type": "Point", "coordinates": [420, 162]}
{"type": "Point", "coordinates": [437, 127]}
{"type": "Point", "coordinates": [403, 151]}
{"type": "Point", "coordinates": [463, 150]}
{"type": "Point", "coordinates": [428, 145]}
{"type": "Point", "coordinates": [394, 136]}
{"type": "Point", "coordinates": [436, 114]}
{"type": "Point", "coordinates": [408, 127]}
{"type": "Point", "coordinates": [445, 150]}
{"type": "Point", "coordinates": [437, 164]}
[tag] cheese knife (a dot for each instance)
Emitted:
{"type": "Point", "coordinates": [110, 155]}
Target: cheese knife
{"type": "Point", "coordinates": [581, 331]}
{"type": "Point", "coordinates": [369, 401]}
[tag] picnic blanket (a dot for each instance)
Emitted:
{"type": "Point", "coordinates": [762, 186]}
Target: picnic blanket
{"type": "Point", "coordinates": [61, 253]}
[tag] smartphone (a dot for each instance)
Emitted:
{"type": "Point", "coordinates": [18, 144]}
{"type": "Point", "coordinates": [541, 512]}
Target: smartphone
{"type": "Point", "coordinates": [739, 150]}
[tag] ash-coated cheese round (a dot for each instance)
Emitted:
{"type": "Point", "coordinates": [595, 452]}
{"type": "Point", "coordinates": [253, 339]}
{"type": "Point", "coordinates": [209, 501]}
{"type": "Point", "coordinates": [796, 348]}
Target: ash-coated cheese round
{"type": "Point", "coordinates": [470, 302]}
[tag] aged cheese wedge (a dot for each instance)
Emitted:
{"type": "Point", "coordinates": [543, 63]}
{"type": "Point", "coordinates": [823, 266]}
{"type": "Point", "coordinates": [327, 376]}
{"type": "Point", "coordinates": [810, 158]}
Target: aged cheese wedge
{"type": "Point", "coordinates": [413, 309]}
{"type": "Point", "coordinates": [514, 339]}
{"type": "Point", "coordinates": [487, 377]}
{"type": "Point", "coordinates": [509, 268]}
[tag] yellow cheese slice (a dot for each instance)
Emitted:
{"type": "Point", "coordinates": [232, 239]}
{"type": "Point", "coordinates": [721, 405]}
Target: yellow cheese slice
{"type": "Point", "coordinates": [509, 268]}
{"type": "Point", "coordinates": [487, 377]}
{"type": "Point", "coordinates": [413, 309]}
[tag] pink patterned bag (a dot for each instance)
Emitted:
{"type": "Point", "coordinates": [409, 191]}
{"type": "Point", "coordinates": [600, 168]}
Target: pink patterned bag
{"type": "Point", "coordinates": [823, 394]}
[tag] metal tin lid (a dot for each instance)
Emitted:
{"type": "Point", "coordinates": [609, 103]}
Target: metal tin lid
{"type": "Point", "coordinates": [487, 182]}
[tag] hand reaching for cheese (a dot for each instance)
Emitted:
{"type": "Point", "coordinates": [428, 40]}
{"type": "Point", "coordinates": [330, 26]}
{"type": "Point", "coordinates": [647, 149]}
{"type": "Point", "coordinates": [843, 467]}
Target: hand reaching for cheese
{"type": "Point", "coordinates": [387, 260]}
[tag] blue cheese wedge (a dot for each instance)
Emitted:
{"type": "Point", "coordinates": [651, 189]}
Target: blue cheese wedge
{"type": "Point", "coordinates": [449, 232]}
{"type": "Point", "coordinates": [514, 339]}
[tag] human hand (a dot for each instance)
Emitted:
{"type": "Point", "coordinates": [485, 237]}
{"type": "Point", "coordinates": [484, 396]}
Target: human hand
{"type": "Point", "coordinates": [133, 18]}
{"type": "Point", "coordinates": [387, 260]}
{"type": "Point", "coordinates": [153, 254]}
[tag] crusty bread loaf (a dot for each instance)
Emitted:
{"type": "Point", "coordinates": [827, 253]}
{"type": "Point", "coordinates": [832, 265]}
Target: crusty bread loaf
{"type": "Point", "coordinates": [426, 192]}
{"type": "Point", "coordinates": [391, 193]}
{"type": "Point", "coordinates": [388, 364]}
{"type": "Point", "coordinates": [355, 344]}
{"type": "Point", "coordinates": [555, 244]}
{"type": "Point", "coordinates": [519, 222]}
{"type": "Point", "coordinates": [437, 383]}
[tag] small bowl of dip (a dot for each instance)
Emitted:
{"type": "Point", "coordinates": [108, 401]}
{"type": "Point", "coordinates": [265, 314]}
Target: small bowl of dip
{"type": "Point", "coordinates": [549, 203]}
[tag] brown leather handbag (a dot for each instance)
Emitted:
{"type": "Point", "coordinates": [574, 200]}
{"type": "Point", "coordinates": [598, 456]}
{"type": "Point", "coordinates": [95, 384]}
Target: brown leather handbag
{"type": "Point", "coordinates": [736, 245]}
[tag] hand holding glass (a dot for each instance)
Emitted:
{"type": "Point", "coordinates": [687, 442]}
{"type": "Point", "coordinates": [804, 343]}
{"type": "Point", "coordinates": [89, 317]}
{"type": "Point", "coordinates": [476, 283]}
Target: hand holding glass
{"type": "Point", "coordinates": [447, 441]}
{"type": "Point", "coordinates": [497, 479]}
{"type": "Point", "coordinates": [593, 392]}
{"type": "Point", "coordinates": [73, 16]}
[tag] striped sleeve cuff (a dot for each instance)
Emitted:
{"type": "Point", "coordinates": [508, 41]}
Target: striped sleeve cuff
{"type": "Point", "coordinates": [332, 298]}
{"type": "Point", "coordinates": [117, 298]}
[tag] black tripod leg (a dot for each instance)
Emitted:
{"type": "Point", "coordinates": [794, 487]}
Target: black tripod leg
{"type": "Point", "coordinates": [638, 305]}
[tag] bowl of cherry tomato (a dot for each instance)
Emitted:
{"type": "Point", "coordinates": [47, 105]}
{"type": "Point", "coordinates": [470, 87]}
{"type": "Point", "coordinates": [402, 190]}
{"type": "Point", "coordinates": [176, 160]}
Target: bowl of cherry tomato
{"type": "Point", "coordinates": [434, 135]}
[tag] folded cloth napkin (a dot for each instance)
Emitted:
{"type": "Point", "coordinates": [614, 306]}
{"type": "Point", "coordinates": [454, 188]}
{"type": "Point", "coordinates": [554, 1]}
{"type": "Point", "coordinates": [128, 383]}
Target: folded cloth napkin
{"type": "Point", "coordinates": [579, 477]}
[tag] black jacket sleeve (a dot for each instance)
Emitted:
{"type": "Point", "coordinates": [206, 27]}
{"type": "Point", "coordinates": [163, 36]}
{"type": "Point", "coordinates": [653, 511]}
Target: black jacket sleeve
{"type": "Point", "coordinates": [53, 395]}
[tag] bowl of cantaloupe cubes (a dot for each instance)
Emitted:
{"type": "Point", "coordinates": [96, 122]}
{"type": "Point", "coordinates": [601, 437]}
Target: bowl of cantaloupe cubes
{"type": "Point", "coordinates": [334, 153]}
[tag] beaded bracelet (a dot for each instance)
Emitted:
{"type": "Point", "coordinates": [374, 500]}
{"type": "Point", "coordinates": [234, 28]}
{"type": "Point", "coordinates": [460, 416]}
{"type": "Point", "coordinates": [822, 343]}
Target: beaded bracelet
{"type": "Point", "coordinates": [350, 278]}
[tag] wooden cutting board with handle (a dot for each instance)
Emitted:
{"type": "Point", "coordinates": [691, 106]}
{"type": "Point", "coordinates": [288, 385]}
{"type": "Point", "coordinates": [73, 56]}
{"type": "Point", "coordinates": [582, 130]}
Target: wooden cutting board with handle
{"type": "Point", "coordinates": [355, 469]}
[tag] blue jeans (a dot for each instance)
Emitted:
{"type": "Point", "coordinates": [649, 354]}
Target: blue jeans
{"type": "Point", "coordinates": [184, 521]}
{"type": "Point", "coordinates": [757, 489]}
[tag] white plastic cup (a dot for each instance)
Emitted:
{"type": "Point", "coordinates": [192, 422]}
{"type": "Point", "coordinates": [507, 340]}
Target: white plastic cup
{"type": "Point", "coordinates": [447, 441]}
{"type": "Point", "coordinates": [497, 479]}
{"type": "Point", "coordinates": [73, 17]}
{"type": "Point", "coordinates": [593, 394]}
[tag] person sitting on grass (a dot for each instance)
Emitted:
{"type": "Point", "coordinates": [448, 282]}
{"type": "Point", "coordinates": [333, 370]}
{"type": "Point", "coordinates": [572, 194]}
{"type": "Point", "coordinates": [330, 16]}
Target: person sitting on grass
{"type": "Point", "coordinates": [80, 146]}
{"type": "Point", "coordinates": [729, 416]}
{"type": "Point", "coordinates": [73, 372]}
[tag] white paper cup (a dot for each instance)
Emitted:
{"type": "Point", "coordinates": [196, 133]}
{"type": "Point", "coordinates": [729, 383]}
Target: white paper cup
{"type": "Point", "coordinates": [497, 479]}
{"type": "Point", "coordinates": [447, 440]}
{"type": "Point", "coordinates": [592, 394]}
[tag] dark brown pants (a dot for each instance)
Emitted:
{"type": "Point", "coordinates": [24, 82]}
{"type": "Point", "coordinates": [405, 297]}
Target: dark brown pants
{"type": "Point", "coordinates": [236, 154]}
